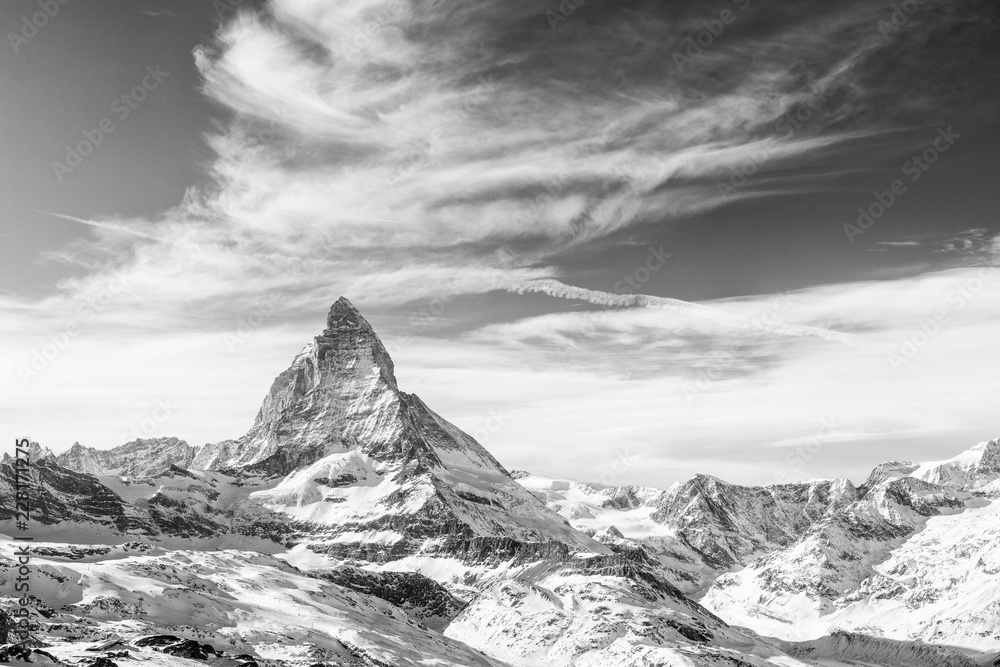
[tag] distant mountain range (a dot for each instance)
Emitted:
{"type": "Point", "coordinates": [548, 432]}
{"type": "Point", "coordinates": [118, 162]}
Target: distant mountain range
{"type": "Point", "coordinates": [353, 525]}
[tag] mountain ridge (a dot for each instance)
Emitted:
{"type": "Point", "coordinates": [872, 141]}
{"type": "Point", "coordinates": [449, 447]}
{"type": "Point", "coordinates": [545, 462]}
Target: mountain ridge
{"type": "Point", "coordinates": [349, 480]}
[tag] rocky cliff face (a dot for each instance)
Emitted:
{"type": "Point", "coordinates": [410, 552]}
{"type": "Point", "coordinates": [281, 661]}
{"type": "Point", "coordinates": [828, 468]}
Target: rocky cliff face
{"type": "Point", "coordinates": [424, 600]}
{"type": "Point", "coordinates": [339, 392]}
{"type": "Point", "coordinates": [700, 528]}
{"type": "Point", "coordinates": [911, 554]}
{"type": "Point", "coordinates": [138, 458]}
{"type": "Point", "coordinates": [358, 456]}
{"type": "Point", "coordinates": [729, 524]}
{"type": "Point", "coordinates": [909, 558]}
{"type": "Point", "coordinates": [61, 496]}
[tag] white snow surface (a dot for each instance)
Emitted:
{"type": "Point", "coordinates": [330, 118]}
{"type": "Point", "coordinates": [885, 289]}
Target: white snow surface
{"type": "Point", "coordinates": [243, 602]}
{"type": "Point", "coordinates": [936, 579]}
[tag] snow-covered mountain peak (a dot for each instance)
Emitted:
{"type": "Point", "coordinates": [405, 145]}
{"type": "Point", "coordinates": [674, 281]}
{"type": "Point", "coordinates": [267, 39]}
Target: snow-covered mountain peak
{"type": "Point", "coordinates": [975, 467]}
{"type": "Point", "coordinates": [983, 457]}
{"type": "Point", "coordinates": [711, 480]}
{"type": "Point", "coordinates": [339, 390]}
{"type": "Point", "coordinates": [143, 457]}
{"type": "Point", "coordinates": [889, 470]}
{"type": "Point", "coordinates": [348, 330]}
{"type": "Point", "coordinates": [36, 452]}
{"type": "Point", "coordinates": [360, 457]}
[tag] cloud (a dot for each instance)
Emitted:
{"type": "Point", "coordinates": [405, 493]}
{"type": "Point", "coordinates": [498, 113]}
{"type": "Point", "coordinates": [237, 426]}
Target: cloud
{"type": "Point", "coordinates": [159, 11]}
{"type": "Point", "coordinates": [770, 325]}
{"type": "Point", "coordinates": [101, 225]}
{"type": "Point", "coordinates": [448, 152]}
{"type": "Point", "coordinates": [372, 138]}
{"type": "Point", "coordinates": [694, 394]}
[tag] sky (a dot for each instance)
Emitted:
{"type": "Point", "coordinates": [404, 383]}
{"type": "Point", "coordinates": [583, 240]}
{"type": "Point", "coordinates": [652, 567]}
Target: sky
{"type": "Point", "coordinates": [624, 242]}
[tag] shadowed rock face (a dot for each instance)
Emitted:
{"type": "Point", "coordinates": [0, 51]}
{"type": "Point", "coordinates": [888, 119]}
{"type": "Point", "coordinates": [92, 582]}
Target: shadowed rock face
{"type": "Point", "coordinates": [58, 494]}
{"type": "Point", "coordinates": [422, 598]}
{"type": "Point", "coordinates": [340, 391]}
{"type": "Point", "coordinates": [6, 625]}
{"type": "Point", "coordinates": [728, 524]}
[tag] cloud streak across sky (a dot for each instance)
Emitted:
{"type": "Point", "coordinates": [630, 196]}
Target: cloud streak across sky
{"type": "Point", "coordinates": [437, 162]}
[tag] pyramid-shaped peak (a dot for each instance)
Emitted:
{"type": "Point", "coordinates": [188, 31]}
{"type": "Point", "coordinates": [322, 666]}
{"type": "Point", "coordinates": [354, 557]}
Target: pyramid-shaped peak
{"type": "Point", "coordinates": [347, 329]}
{"type": "Point", "coordinates": [344, 317]}
{"type": "Point", "coordinates": [343, 306]}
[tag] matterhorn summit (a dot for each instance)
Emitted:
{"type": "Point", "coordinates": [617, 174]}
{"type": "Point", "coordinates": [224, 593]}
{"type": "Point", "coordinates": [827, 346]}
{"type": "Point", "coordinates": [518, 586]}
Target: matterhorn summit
{"type": "Point", "coordinates": [381, 534]}
{"type": "Point", "coordinates": [340, 390]}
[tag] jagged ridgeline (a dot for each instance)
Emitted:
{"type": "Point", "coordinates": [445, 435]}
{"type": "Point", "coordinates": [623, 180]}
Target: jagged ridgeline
{"type": "Point", "coordinates": [381, 534]}
{"type": "Point", "coordinates": [336, 448]}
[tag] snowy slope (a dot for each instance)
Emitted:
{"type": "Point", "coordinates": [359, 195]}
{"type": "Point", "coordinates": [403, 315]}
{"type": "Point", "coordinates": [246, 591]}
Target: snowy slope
{"type": "Point", "coordinates": [623, 516]}
{"type": "Point", "coordinates": [909, 555]}
{"type": "Point", "coordinates": [917, 557]}
{"type": "Point", "coordinates": [240, 602]}
{"type": "Point", "coordinates": [700, 528]}
{"type": "Point", "coordinates": [970, 470]}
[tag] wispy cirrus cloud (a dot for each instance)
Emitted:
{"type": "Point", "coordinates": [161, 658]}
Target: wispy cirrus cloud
{"type": "Point", "coordinates": [474, 137]}
{"type": "Point", "coordinates": [397, 151]}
